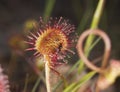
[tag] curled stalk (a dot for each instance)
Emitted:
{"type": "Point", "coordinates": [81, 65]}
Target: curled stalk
{"type": "Point", "coordinates": [106, 50]}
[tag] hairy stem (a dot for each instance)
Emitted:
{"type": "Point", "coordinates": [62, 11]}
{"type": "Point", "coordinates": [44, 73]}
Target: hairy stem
{"type": "Point", "coordinates": [47, 74]}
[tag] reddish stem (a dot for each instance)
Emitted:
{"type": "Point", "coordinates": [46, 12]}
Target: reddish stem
{"type": "Point", "coordinates": [106, 50]}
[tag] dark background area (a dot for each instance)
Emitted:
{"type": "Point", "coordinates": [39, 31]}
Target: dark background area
{"type": "Point", "coordinates": [14, 13]}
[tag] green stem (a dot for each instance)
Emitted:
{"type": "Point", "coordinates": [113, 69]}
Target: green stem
{"type": "Point", "coordinates": [94, 25]}
{"type": "Point", "coordinates": [40, 78]}
{"type": "Point", "coordinates": [86, 16]}
{"type": "Point", "coordinates": [26, 83]}
{"type": "Point", "coordinates": [48, 8]}
{"type": "Point", "coordinates": [95, 22]}
{"type": "Point", "coordinates": [36, 84]}
{"type": "Point", "coordinates": [47, 74]}
{"type": "Point", "coordinates": [97, 15]}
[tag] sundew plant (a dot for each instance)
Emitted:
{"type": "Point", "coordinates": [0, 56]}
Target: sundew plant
{"type": "Point", "coordinates": [55, 54]}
